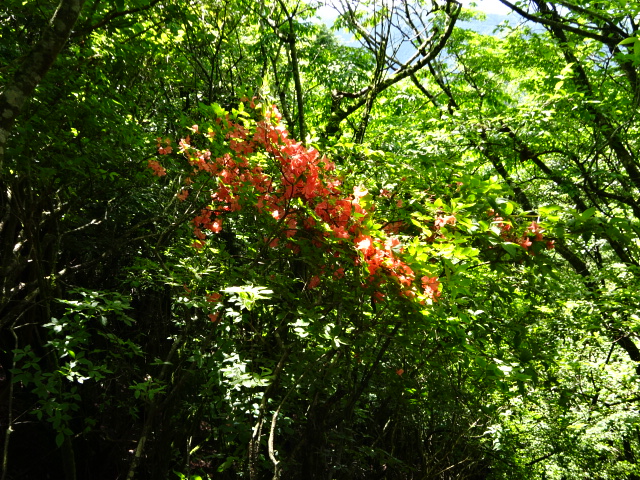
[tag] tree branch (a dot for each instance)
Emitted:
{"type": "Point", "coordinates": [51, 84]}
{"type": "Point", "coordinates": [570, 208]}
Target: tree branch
{"type": "Point", "coordinates": [112, 16]}
{"type": "Point", "coordinates": [563, 26]}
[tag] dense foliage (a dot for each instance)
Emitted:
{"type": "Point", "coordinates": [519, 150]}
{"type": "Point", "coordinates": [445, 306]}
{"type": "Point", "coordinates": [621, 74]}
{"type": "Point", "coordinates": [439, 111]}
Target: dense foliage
{"type": "Point", "coordinates": [236, 246]}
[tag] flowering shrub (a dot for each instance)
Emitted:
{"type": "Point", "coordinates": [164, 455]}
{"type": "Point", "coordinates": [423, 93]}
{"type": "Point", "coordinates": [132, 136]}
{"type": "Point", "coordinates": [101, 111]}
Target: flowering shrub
{"type": "Point", "coordinates": [294, 202]}
{"type": "Point", "coordinates": [252, 164]}
{"type": "Point", "coordinates": [350, 268]}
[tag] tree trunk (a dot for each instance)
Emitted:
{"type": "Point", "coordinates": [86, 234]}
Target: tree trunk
{"type": "Point", "coordinates": [35, 66]}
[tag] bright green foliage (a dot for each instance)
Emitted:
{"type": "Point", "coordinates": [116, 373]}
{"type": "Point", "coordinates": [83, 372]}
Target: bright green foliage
{"type": "Point", "coordinates": [554, 135]}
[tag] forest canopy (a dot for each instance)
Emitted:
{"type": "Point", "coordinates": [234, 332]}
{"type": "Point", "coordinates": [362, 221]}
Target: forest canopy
{"type": "Point", "coordinates": [236, 245]}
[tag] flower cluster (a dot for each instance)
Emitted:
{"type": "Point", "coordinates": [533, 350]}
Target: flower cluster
{"type": "Point", "coordinates": [157, 169]}
{"type": "Point", "coordinates": [166, 149]}
{"type": "Point", "coordinates": [532, 233]}
{"type": "Point", "coordinates": [297, 188]}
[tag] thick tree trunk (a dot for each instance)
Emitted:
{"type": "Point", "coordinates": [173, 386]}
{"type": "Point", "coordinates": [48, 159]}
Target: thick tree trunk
{"type": "Point", "coordinates": [35, 66]}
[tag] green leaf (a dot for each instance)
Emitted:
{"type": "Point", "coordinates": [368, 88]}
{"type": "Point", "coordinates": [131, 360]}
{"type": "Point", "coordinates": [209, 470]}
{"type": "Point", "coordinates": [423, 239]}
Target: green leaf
{"type": "Point", "coordinates": [588, 213]}
{"type": "Point", "coordinates": [511, 249]}
{"type": "Point", "coordinates": [629, 40]}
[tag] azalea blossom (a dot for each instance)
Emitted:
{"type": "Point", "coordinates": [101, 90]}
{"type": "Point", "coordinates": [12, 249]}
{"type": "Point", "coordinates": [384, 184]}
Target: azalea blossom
{"type": "Point", "coordinates": [158, 170]}
{"type": "Point", "coordinates": [314, 282]}
{"type": "Point", "coordinates": [359, 192]}
{"type": "Point", "coordinates": [182, 196]}
{"type": "Point", "coordinates": [442, 221]}
{"type": "Point", "coordinates": [431, 286]}
{"type": "Point", "coordinates": [214, 297]}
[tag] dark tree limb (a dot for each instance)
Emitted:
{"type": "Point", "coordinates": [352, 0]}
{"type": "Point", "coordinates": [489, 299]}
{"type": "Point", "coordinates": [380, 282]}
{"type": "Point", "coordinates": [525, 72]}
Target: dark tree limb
{"type": "Point", "coordinates": [35, 66]}
{"type": "Point", "coordinates": [111, 16]}
{"type": "Point", "coordinates": [556, 23]}
{"type": "Point", "coordinates": [453, 9]}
